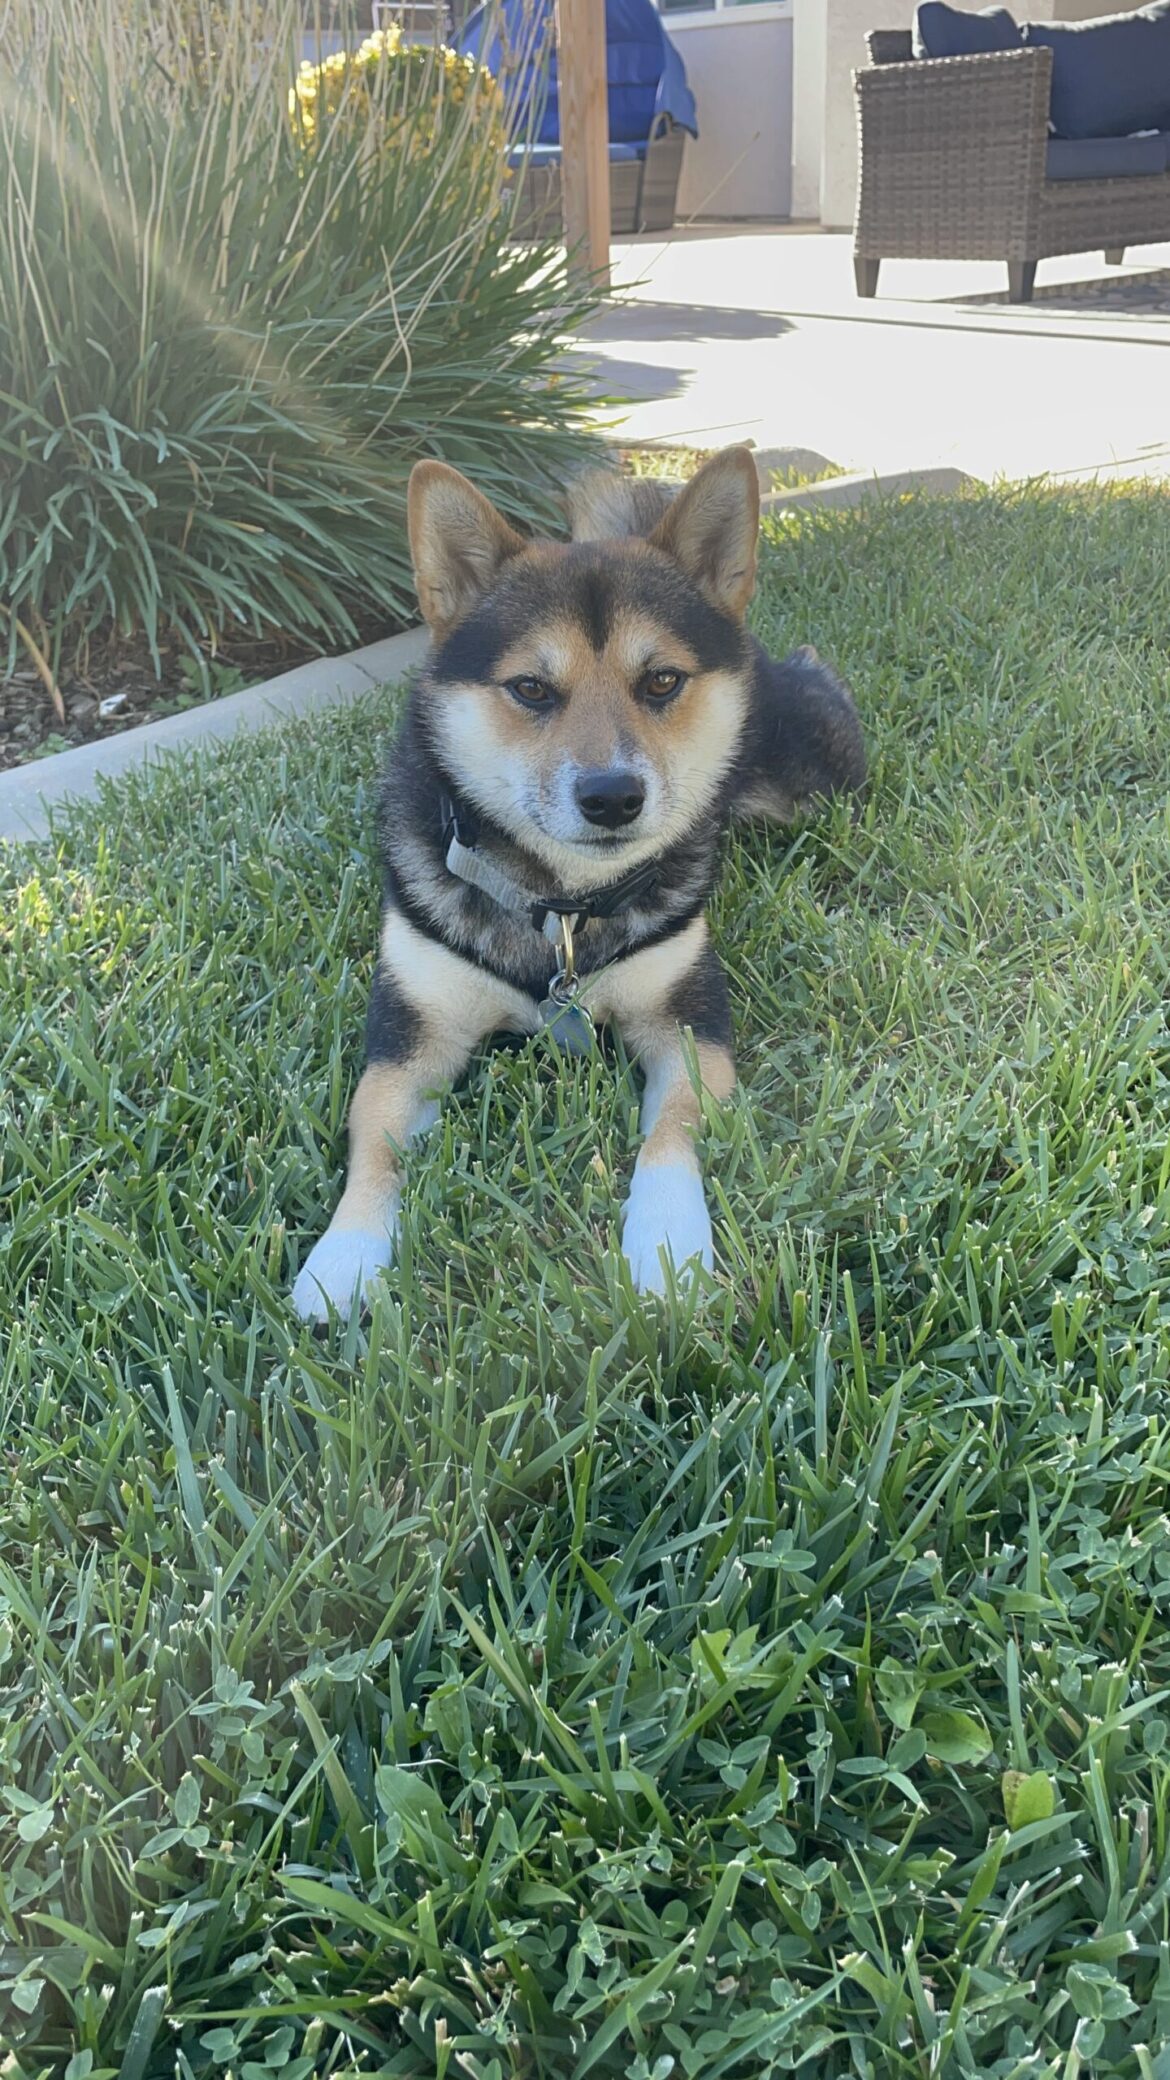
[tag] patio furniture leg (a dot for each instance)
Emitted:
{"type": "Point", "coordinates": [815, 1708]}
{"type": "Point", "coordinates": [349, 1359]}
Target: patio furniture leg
{"type": "Point", "coordinates": [1021, 276]}
{"type": "Point", "coordinates": [865, 274]}
{"type": "Point", "coordinates": [1114, 255]}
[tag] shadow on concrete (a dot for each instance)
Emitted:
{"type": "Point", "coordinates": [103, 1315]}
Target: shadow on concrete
{"type": "Point", "coordinates": [628, 382]}
{"type": "Point", "coordinates": [685, 321]}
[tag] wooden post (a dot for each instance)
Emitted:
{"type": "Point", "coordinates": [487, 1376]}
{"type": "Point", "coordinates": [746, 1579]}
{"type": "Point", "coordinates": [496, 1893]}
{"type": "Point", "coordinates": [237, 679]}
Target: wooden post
{"type": "Point", "coordinates": [584, 107]}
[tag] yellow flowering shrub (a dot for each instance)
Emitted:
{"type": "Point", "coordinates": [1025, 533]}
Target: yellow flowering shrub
{"type": "Point", "coordinates": [407, 93]}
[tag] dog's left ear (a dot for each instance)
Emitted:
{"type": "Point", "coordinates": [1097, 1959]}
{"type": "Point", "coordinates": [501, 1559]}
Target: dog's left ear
{"type": "Point", "coordinates": [712, 529]}
{"type": "Point", "coordinates": [458, 542]}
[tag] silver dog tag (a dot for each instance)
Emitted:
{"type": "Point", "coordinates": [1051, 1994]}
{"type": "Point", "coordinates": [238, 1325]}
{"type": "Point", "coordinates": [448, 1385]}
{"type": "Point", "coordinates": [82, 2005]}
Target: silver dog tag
{"type": "Point", "coordinates": [565, 1021]}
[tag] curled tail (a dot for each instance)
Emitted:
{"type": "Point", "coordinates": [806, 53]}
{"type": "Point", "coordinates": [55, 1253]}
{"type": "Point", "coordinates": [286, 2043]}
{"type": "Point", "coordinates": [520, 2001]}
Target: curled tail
{"type": "Point", "coordinates": [605, 507]}
{"type": "Point", "coordinates": [804, 741]}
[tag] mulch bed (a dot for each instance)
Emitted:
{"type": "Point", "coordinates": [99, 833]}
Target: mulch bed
{"type": "Point", "coordinates": [115, 687]}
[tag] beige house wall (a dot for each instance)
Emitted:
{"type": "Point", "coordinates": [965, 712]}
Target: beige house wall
{"type": "Point", "coordinates": [739, 65]}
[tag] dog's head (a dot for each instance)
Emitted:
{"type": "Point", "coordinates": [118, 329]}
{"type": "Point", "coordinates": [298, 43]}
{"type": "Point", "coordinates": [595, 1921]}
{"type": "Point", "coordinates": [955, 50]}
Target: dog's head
{"type": "Point", "coordinates": [589, 697]}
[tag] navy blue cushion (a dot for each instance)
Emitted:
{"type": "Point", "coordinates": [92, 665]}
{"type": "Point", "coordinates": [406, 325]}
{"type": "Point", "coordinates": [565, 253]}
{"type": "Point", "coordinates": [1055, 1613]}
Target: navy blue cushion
{"type": "Point", "coordinates": [1109, 76]}
{"type": "Point", "coordinates": [1104, 158]}
{"type": "Point", "coordinates": [946, 32]}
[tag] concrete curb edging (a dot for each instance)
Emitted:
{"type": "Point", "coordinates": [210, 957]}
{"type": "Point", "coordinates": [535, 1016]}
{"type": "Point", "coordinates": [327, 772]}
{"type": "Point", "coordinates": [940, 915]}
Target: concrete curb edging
{"type": "Point", "coordinates": [28, 793]}
{"type": "Point", "coordinates": [858, 490]}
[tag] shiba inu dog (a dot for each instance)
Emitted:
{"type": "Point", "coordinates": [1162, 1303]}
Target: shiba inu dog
{"type": "Point", "coordinates": [591, 716]}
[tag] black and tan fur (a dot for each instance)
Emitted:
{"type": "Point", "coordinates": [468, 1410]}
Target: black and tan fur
{"type": "Point", "coordinates": [547, 707]}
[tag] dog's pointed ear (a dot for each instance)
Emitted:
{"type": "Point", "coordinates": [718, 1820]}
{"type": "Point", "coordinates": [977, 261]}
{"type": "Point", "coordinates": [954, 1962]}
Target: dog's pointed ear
{"type": "Point", "coordinates": [458, 543]}
{"type": "Point", "coordinates": [712, 529]}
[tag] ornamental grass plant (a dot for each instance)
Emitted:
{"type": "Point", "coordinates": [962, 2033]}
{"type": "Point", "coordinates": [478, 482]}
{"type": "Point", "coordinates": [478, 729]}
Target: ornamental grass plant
{"type": "Point", "coordinates": [228, 325]}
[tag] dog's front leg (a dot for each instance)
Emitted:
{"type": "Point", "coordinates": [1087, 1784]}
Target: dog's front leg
{"type": "Point", "coordinates": [666, 1224]}
{"type": "Point", "coordinates": [391, 1105]}
{"type": "Point", "coordinates": [428, 1011]}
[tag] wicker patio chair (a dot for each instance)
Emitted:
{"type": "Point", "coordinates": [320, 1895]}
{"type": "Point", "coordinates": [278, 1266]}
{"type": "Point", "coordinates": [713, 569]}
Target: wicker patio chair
{"type": "Point", "coordinates": [650, 107]}
{"type": "Point", "coordinates": [952, 156]}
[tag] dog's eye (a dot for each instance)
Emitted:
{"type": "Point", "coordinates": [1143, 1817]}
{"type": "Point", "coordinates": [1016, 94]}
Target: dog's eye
{"type": "Point", "coordinates": [530, 691]}
{"type": "Point", "coordinates": [660, 686]}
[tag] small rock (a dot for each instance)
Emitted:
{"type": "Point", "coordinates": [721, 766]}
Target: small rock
{"type": "Point", "coordinates": [790, 465]}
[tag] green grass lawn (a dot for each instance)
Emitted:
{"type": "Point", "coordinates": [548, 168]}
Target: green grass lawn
{"type": "Point", "coordinates": [523, 1685]}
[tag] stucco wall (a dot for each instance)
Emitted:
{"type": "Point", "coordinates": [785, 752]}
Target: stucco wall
{"type": "Point", "coordinates": [740, 72]}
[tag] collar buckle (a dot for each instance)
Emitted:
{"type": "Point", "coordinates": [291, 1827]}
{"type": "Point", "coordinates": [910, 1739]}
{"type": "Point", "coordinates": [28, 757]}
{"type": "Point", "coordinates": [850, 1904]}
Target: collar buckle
{"type": "Point", "coordinates": [555, 917]}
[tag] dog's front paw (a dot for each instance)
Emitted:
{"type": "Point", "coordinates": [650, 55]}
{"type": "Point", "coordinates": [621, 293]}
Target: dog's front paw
{"type": "Point", "coordinates": [665, 1212]}
{"type": "Point", "coordinates": [339, 1271]}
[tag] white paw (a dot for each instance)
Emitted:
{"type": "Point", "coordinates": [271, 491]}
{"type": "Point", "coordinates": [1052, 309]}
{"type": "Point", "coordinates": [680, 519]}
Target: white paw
{"type": "Point", "coordinates": [339, 1269]}
{"type": "Point", "coordinates": [666, 1211]}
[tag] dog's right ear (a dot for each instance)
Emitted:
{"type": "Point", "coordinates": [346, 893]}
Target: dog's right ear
{"type": "Point", "coordinates": [458, 543]}
{"type": "Point", "coordinates": [712, 529]}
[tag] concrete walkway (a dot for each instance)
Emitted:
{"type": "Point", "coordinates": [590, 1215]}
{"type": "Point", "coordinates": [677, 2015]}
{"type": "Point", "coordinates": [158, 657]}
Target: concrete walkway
{"type": "Point", "coordinates": [736, 333]}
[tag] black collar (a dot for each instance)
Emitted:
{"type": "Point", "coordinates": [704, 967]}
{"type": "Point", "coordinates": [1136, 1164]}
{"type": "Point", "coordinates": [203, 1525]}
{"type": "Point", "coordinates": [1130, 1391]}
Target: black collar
{"type": "Point", "coordinates": [459, 827]}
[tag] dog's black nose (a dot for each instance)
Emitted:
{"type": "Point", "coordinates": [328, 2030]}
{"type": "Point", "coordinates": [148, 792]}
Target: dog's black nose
{"type": "Point", "coordinates": [610, 796]}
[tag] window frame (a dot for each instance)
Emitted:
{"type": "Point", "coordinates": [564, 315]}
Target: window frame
{"type": "Point", "coordinates": [705, 13]}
